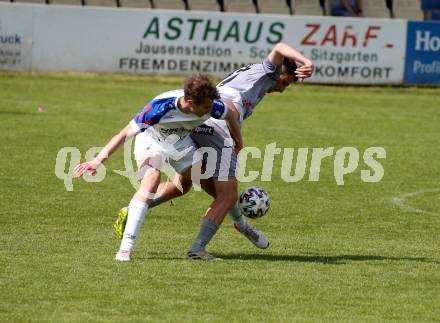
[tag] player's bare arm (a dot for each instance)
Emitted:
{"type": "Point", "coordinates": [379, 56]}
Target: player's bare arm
{"type": "Point", "coordinates": [282, 50]}
{"type": "Point", "coordinates": [232, 118]}
{"type": "Point", "coordinates": [105, 153]}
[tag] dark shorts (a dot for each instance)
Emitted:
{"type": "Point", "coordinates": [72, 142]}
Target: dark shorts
{"type": "Point", "coordinates": [220, 156]}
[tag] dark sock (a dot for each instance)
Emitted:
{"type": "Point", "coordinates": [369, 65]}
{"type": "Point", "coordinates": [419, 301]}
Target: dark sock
{"type": "Point", "coordinates": [155, 202]}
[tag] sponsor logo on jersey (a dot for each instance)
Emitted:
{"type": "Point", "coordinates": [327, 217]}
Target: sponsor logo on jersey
{"type": "Point", "coordinates": [170, 131]}
{"type": "Point", "coordinates": [204, 130]}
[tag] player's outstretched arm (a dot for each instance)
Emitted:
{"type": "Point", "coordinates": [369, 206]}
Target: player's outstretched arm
{"type": "Point", "coordinates": [232, 118]}
{"type": "Point", "coordinates": [282, 50]}
{"type": "Point", "coordinates": [105, 153]}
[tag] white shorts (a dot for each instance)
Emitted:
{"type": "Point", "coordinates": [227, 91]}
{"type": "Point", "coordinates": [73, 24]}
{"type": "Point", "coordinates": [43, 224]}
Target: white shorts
{"type": "Point", "coordinates": [180, 156]}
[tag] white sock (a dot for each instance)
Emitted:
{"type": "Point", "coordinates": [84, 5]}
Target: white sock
{"type": "Point", "coordinates": [238, 218]}
{"type": "Point", "coordinates": [136, 216]}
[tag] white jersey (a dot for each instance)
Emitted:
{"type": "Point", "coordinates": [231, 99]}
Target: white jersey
{"type": "Point", "coordinates": [161, 117]}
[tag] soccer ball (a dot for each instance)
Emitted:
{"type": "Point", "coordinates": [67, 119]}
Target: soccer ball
{"type": "Point", "coordinates": [254, 202]}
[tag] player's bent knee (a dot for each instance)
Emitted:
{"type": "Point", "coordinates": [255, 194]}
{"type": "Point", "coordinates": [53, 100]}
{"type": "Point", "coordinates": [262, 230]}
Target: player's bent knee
{"type": "Point", "coordinates": [186, 186]}
{"type": "Point", "coordinates": [183, 187]}
{"type": "Point", "coordinates": [182, 183]}
{"type": "Point", "coordinates": [227, 191]}
{"type": "Point", "coordinates": [228, 198]}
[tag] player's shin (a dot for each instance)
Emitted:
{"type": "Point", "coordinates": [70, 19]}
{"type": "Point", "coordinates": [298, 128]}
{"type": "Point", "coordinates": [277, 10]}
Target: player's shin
{"type": "Point", "coordinates": [170, 190]}
{"type": "Point", "coordinates": [136, 215]}
{"type": "Point", "coordinates": [215, 214]}
{"type": "Point", "coordinates": [207, 230]}
{"type": "Point", "coordinates": [237, 217]}
{"type": "Point", "coordinates": [138, 207]}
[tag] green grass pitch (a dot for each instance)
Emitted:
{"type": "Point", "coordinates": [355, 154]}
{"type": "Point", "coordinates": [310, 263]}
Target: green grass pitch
{"type": "Point", "coordinates": [338, 253]}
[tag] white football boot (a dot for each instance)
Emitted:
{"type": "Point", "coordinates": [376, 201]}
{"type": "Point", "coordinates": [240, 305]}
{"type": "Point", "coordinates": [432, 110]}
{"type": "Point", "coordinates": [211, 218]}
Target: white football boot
{"type": "Point", "coordinates": [255, 236]}
{"type": "Point", "coordinates": [123, 255]}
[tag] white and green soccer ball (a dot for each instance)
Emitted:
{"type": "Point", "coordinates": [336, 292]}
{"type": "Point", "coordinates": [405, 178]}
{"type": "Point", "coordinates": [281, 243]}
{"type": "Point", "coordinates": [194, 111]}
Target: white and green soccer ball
{"type": "Point", "coordinates": [254, 202]}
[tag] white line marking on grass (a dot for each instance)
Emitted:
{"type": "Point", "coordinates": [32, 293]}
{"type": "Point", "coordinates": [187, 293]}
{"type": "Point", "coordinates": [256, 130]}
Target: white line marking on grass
{"type": "Point", "coordinates": [400, 201]}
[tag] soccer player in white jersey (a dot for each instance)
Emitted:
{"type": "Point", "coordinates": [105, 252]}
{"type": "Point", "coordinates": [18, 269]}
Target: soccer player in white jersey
{"type": "Point", "coordinates": [162, 131]}
{"type": "Point", "coordinates": [245, 87]}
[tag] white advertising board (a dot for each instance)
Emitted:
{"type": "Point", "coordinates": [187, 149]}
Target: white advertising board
{"type": "Point", "coordinates": [65, 38]}
{"type": "Point", "coordinates": [16, 35]}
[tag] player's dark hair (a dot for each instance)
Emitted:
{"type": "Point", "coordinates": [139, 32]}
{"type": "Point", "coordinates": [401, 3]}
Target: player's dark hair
{"type": "Point", "coordinates": [290, 66]}
{"type": "Point", "coordinates": [199, 87]}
